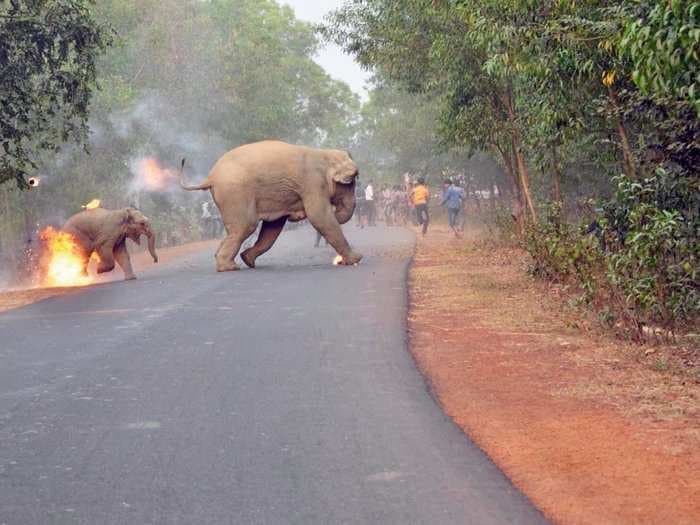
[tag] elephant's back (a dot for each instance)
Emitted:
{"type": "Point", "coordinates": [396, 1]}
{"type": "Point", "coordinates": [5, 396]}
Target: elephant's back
{"type": "Point", "coordinates": [270, 157]}
{"type": "Point", "coordinates": [88, 215]}
{"type": "Point", "coordinates": [87, 222]}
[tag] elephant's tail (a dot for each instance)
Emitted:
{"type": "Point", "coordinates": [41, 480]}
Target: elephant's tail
{"type": "Point", "coordinates": [204, 186]}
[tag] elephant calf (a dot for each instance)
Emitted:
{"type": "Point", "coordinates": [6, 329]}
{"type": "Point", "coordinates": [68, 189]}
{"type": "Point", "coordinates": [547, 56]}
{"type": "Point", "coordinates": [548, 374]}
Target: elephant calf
{"type": "Point", "coordinates": [274, 182]}
{"type": "Point", "coordinates": [105, 232]}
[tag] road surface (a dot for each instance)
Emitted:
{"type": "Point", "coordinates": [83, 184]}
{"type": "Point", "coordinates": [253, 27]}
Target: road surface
{"type": "Point", "coordinates": [284, 394]}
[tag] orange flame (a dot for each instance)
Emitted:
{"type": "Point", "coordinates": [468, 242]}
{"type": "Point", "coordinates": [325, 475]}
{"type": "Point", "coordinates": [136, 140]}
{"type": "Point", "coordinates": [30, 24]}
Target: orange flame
{"type": "Point", "coordinates": [94, 203]}
{"type": "Point", "coordinates": [65, 260]}
{"type": "Point", "coordinates": [153, 176]}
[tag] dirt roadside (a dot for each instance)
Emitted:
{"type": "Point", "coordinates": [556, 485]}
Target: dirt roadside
{"type": "Point", "coordinates": [17, 298]}
{"type": "Point", "coordinates": [580, 422]}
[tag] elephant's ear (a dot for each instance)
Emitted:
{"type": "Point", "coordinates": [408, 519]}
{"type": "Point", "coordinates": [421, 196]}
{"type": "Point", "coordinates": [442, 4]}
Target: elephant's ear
{"type": "Point", "coordinates": [343, 170]}
{"type": "Point", "coordinates": [129, 217]}
{"type": "Point", "coordinates": [125, 216]}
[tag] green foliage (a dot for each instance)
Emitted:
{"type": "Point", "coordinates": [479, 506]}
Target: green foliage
{"type": "Point", "coordinates": [663, 42]}
{"type": "Point", "coordinates": [48, 50]}
{"type": "Point", "coordinates": [643, 266]}
{"type": "Point", "coordinates": [651, 228]}
{"type": "Point", "coordinates": [560, 252]}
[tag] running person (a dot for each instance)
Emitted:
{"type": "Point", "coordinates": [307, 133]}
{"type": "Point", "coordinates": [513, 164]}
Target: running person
{"type": "Point", "coordinates": [452, 197]}
{"type": "Point", "coordinates": [420, 197]}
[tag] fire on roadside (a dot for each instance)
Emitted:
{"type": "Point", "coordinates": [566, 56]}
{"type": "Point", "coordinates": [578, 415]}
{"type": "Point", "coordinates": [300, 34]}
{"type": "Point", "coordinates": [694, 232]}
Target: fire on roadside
{"type": "Point", "coordinates": [152, 176]}
{"type": "Point", "coordinates": [64, 260]}
{"type": "Point", "coordinates": [94, 203]}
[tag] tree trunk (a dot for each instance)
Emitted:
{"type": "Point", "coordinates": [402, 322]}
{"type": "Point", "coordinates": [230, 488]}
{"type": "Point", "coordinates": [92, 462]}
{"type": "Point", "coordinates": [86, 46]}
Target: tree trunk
{"type": "Point", "coordinates": [627, 156]}
{"type": "Point", "coordinates": [27, 212]}
{"type": "Point", "coordinates": [524, 176]}
{"type": "Point", "coordinates": [7, 248]}
{"type": "Point", "coordinates": [556, 176]}
{"type": "Point", "coordinates": [516, 192]}
{"type": "Point", "coordinates": [519, 159]}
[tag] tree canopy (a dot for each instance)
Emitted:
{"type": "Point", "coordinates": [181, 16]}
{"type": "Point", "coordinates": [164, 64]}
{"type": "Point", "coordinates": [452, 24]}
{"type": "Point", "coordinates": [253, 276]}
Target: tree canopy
{"type": "Point", "coordinates": [48, 54]}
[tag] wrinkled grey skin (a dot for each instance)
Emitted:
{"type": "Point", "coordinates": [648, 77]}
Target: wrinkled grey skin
{"type": "Point", "coordinates": [105, 232]}
{"type": "Point", "coordinates": [275, 182]}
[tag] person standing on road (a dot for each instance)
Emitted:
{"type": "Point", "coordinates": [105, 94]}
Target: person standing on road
{"type": "Point", "coordinates": [207, 221]}
{"type": "Point", "coordinates": [317, 244]}
{"type": "Point", "coordinates": [360, 205]}
{"type": "Point", "coordinates": [387, 205]}
{"type": "Point", "coordinates": [370, 204]}
{"type": "Point", "coordinates": [452, 197]}
{"type": "Point", "coordinates": [420, 197]}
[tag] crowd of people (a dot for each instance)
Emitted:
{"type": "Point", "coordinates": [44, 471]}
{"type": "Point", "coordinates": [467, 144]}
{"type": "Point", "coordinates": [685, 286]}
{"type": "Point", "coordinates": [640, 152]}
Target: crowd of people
{"type": "Point", "coordinates": [398, 205]}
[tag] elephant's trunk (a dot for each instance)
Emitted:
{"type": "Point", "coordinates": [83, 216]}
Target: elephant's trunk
{"type": "Point", "coordinates": [344, 202]}
{"type": "Point", "coordinates": [152, 244]}
{"type": "Point", "coordinates": [344, 213]}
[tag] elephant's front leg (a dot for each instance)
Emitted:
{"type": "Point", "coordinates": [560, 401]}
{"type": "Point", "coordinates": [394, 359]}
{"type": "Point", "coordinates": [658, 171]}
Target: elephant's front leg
{"type": "Point", "coordinates": [267, 237]}
{"type": "Point", "coordinates": [322, 218]}
{"type": "Point", "coordinates": [121, 255]}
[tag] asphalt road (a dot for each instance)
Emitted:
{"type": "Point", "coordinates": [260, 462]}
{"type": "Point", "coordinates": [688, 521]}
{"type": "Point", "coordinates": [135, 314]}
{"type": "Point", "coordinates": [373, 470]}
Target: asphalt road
{"type": "Point", "coordinates": [284, 394]}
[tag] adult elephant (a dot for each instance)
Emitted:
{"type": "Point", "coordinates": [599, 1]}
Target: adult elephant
{"type": "Point", "coordinates": [274, 182]}
{"type": "Point", "coordinates": [105, 232]}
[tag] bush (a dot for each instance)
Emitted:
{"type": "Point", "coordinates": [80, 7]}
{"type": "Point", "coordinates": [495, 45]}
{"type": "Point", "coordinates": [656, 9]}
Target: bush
{"type": "Point", "coordinates": [641, 266]}
{"type": "Point", "coordinates": [561, 252]}
{"type": "Point", "coordinates": [650, 231]}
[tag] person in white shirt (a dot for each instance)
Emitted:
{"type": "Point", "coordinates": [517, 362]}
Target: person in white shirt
{"type": "Point", "coordinates": [370, 205]}
{"type": "Point", "coordinates": [207, 220]}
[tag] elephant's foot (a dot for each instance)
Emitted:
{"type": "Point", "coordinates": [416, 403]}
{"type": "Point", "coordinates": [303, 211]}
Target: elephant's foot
{"type": "Point", "coordinates": [351, 258]}
{"type": "Point", "coordinates": [129, 277]}
{"type": "Point", "coordinates": [227, 267]}
{"type": "Point", "coordinates": [248, 259]}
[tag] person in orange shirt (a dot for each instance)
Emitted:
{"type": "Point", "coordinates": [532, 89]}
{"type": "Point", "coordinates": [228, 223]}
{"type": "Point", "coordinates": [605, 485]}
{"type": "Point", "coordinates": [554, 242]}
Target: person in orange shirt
{"type": "Point", "coordinates": [420, 197]}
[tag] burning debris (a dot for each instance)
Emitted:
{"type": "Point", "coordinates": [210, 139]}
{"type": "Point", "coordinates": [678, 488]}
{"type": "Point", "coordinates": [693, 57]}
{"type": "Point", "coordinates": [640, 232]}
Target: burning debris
{"type": "Point", "coordinates": [64, 264]}
{"type": "Point", "coordinates": [151, 176]}
{"type": "Point", "coordinates": [338, 260]}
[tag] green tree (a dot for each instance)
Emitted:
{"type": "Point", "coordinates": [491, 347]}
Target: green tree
{"type": "Point", "coordinates": [48, 51]}
{"type": "Point", "coordinates": [663, 42]}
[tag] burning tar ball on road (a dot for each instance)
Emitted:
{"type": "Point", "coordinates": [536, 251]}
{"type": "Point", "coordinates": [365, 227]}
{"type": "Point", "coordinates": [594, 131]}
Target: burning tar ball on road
{"type": "Point", "coordinates": [339, 259]}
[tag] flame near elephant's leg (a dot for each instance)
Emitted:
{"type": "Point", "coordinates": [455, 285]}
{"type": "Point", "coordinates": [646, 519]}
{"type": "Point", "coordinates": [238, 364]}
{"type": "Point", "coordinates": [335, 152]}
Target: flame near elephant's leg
{"type": "Point", "coordinates": [65, 262]}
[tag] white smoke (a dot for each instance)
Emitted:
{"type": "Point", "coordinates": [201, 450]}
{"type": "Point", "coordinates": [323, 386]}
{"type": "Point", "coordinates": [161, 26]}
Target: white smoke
{"type": "Point", "coordinates": [169, 131]}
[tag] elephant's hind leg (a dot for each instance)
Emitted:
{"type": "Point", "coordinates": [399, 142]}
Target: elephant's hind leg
{"type": "Point", "coordinates": [228, 249]}
{"type": "Point", "coordinates": [267, 237]}
{"type": "Point", "coordinates": [121, 255]}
